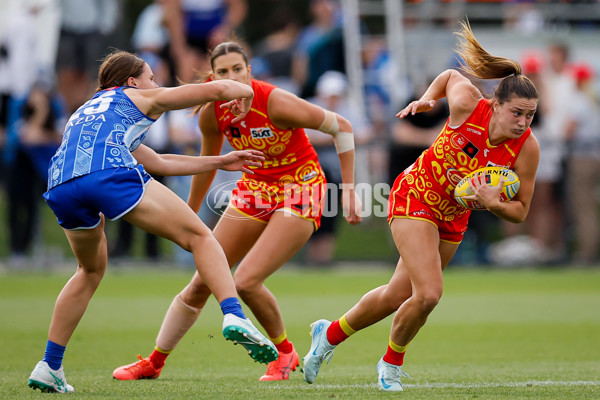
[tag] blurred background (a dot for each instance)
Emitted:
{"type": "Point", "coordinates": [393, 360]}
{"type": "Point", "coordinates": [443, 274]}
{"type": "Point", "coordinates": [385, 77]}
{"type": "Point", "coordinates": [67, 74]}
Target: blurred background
{"type": "Point", "coordinates": [365, 59]}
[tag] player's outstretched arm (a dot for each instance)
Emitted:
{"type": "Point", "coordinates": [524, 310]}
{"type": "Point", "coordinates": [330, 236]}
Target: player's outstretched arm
{"type": "Point", "coordinates": [154, 102]}
{"type": "Point", "coordinates": [177, 165]}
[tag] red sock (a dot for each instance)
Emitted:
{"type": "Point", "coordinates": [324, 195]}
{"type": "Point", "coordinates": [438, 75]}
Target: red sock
{"type": "Point", "coordinates": [285, 347]}
{"type": "Point", "coordinates": [393, 357]}
{"type": "Point", "coordinates": [335, 333]}
{"type": "Point", "coordinates": [158, 359]}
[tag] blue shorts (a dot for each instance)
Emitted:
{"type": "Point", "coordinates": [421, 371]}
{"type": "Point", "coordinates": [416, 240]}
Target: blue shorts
{"type": "Point", "coordinates": [113, 192]}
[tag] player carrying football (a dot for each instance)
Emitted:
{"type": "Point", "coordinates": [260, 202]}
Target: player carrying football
{"type": "Point", "coordinates": [426, 222]}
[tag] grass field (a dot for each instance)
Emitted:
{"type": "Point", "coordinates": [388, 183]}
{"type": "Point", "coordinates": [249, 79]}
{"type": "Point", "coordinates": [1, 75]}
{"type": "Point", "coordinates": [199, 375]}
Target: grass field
{"type": "Point", "coordinates": [496, 334]}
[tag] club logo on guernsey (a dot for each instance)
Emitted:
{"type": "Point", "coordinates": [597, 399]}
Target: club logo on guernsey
{"type": "Point", "coordinates": [465, 145]}
{"type": "Point", "coordinates": [261, 133]}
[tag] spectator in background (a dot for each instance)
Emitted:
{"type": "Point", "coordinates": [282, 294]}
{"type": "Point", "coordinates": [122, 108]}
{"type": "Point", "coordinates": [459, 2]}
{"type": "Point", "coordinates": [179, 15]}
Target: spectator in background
{"type": "Point", "coordinates": [414, 134]}
{"type": "Point", "coordinates": [273, 56]}
{"type": "Point", "coordinates": [583, 166]}
{"type": "Point", "coordinates": [518, 245]}
{"type": "Point", "coordinates": [378, 69]}
{"type": "Point", "coordinates": [84, 25]}
{"type": "Point", "coordinates": [150, 36]}
{"type": "Point", "coordinates": [195, 26]}
{"type": "Point", "coordinates": [26, 56]}
{"type": "Point", "coordinates": [320, 46]}
{"type": "Point", "coordinates": [547, 210]}
{"type": "Point", "coordinates": [332, 90]}
{"type": "Point", "coordinates": [38, 139]}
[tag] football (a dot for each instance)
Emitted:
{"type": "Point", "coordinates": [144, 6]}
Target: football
{"type": "Point", "coordinates": [510, 186]}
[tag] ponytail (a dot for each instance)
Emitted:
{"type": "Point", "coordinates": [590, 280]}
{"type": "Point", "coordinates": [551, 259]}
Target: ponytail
{"type": "Point", "coordinates": [481, 64]}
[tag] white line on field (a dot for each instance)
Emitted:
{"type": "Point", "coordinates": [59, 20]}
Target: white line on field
{"type": "Point", "coordinates": [441, 385]}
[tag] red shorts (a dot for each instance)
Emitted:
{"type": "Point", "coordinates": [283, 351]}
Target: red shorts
{"type": "Point", "coordinates": [403, 204]}
{"type": "Point", "coordinates": [259, 200]}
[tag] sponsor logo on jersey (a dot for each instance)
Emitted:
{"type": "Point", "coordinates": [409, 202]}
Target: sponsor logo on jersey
{"type": "Point", "coordinates": [475, 131]}
{"type": "Point", "coordinates": [420, 213]}
{"type": "Point", "coordinates": [261, 133]}
{"type": "Point", "coordinates": [309, 176]}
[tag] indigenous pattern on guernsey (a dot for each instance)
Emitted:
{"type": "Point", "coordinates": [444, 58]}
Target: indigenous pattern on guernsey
{"type": "Point", "coordinates": [100, 135]}
{"type": "Point", "coordinates": [456, 152]}
{"type": "Point", "coordinates": [291, 162]}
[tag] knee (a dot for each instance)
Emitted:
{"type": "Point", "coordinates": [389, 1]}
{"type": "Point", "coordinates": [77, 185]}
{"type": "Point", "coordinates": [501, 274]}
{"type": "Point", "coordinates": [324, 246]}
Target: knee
{"type": "Point", "coordinates": [427, 299]}
{"type": "Point", "coordinates": [245, 287]}
{"type": "Point", "coordinates": [92, 274]}
{"type": "Point", "coordinates": [195, 294]}
{"type": "Point", "coordinates": [190, 241]}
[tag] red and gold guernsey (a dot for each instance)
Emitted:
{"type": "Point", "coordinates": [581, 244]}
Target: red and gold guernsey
{"type": "Point", "coordinates": [429, 183]}
{"type": "Point", "coordinates": [291, 168]}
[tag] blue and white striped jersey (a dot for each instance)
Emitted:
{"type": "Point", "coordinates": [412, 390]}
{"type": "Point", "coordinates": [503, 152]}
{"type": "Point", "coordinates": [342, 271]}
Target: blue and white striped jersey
{"type": "Point", "coordinates": [100, 135]}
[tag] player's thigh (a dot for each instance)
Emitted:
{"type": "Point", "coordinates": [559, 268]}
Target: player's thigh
{"type": "Point", "coordinates": [165, 214]}
{"type": "Point", "coordinates": [447, 251]}
{"type": "Point", "coordinates": [237, 233]}
{"type": "Point", "coordinates": [400, 285]}
{"type": "Point", "coordinates": [418, 243]}
{"type": "Point", "coordinates": [89, 246]}
{"type": "Point", "coordinates": [284, 235]}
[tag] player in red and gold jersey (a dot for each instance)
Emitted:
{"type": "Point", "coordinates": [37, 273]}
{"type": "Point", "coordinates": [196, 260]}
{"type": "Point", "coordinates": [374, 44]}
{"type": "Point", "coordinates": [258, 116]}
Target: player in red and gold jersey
{"type": "Point", "coordinates": [426, 189]}
{"type": "Point", "coordinates": [426, 222]}
{"type": "Point", "coordinates": [272, 213]}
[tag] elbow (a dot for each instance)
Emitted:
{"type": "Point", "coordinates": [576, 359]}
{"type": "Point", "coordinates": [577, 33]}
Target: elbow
{"type": "Point", "coordinates": [517, 219]}
{"type": "Point", "coordinates": [344, 124]}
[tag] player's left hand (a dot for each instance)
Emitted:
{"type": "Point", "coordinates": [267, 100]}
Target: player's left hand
{"type": "Point", "coordinates": [241, 160]}
{"type": "Point", "coordinates": [351, 205]}
{"type": "Point", "coordinates": [488, 196]}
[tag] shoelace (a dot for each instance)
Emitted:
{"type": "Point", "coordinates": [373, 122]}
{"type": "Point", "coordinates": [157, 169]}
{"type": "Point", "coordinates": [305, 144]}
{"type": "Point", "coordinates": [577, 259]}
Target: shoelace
{"type": "Point", "coordinates": [395, 373]}
{"type": "Point", "coordinates": [138, 364]}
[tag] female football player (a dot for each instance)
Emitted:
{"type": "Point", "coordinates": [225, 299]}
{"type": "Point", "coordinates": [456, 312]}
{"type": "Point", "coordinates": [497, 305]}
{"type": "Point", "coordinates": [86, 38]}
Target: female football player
{"type": "Point", "coordinates": [99, 171]}
{"type": "Point", "coordinates": [426, 222]}
{"type": "Point", "coordinates": [271, 213]}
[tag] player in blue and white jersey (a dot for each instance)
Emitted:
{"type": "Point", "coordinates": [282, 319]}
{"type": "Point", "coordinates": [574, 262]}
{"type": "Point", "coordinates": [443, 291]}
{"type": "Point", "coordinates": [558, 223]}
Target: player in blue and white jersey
{"type": "Point", "coordinates": [100, 171]}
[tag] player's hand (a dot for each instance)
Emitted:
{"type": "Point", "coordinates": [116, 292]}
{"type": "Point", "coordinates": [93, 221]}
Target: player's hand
{"type": "Point", "coordinates": [241, 160]}
{"type": "Point", "coordinates": [239, 107]}
{"type": "Point", "coordinates": [351, 205]}
{"type": "Point", "coordinates": [488, 196]}
{"type": "Point", "coordinates": [416, 106]}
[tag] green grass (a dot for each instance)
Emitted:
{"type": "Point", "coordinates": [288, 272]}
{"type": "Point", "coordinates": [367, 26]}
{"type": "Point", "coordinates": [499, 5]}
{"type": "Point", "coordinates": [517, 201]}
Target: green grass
{"type": "Point", "coordinates": [518, 334]}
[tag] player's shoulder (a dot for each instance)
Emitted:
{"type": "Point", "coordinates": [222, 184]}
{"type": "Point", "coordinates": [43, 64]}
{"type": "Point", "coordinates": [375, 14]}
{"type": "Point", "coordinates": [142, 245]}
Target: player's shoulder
{"type": "Point", "coordinates": [531, 144]}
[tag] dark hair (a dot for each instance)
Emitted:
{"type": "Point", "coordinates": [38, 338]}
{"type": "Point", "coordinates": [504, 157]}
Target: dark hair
{"type": "Point", "coordinates": [220, 50]}
{"type": "Point", "coordinates": [481, 64]}
{"type": "Point", "coordinates": [117, 67]}
{"type": "Point", "coordinates": [226, 48]}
